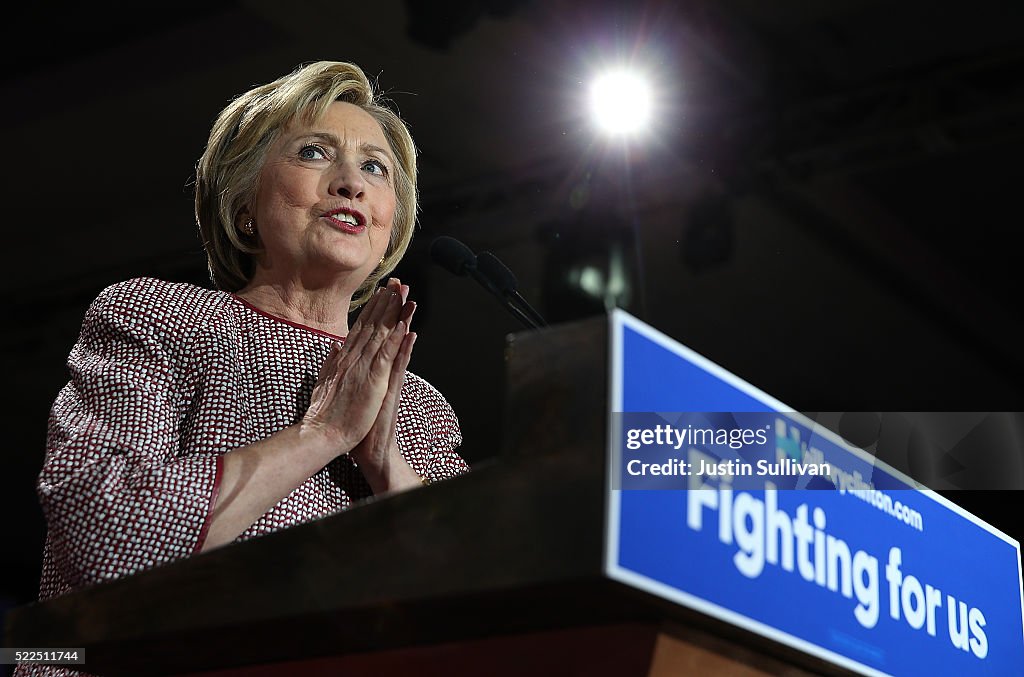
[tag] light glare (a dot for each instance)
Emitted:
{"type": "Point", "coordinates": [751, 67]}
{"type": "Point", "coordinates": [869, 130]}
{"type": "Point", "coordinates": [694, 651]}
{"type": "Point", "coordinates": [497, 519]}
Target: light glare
{"type": "Point", "coordinates": [620, 102]}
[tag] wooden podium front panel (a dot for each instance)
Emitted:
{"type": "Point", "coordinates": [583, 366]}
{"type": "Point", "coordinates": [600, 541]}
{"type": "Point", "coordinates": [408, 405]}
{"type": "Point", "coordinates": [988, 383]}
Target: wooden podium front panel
{"type": "Point", "coordinates": [622, 650]}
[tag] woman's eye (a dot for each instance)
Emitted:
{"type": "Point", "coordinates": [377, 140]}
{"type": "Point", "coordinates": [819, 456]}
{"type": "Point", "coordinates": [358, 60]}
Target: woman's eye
{"type": "Point", "coordinates": [375, 167]}
{"type": "Point", "coordinates": [312, 152]}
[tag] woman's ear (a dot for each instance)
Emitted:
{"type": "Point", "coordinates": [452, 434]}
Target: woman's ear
{"type": "Point", "coordinates": [244, 222]}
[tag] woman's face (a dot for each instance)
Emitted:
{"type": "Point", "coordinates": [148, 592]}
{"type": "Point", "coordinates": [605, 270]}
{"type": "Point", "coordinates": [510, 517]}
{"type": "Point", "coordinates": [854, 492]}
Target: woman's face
{"type": "Point", "coordinates": [325, 203]}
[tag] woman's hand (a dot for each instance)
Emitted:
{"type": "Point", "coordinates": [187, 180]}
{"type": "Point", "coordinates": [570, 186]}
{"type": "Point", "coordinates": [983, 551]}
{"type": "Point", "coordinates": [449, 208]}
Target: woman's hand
{"type": "Point", "coordinates": [356, 379]}
{"type": "Point", "coordinates": [378, 455]}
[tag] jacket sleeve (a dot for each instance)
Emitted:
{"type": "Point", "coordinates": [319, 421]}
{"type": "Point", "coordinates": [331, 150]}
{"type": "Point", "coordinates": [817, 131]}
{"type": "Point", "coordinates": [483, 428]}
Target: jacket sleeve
{"type": "Point", "coordinates": [117, 495]}
{"type": "Point", "coordinates": [435, 428]}
{"type": "Point", "coordinates": [445, 460]}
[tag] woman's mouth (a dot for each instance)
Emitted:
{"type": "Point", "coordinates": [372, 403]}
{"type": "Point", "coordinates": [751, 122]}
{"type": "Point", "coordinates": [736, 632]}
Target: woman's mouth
{"type": "Point", "coordinates": [347, 220]}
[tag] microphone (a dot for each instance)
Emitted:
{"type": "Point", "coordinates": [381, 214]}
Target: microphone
{"type": "Point", "coordinates": [506, 282]}
{"type": "Point", "coordinates": [459, 260]}
{"type": "Point", "coordinates": [452, 255]}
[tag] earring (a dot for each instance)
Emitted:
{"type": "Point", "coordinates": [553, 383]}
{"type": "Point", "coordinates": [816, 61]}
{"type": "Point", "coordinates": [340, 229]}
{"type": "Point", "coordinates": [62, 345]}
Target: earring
{"type": "Point", "coordinates": [248, 228]}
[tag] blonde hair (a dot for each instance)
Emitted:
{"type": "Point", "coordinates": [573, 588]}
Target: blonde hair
{"type": "Point", "coordinates": [240, 139]}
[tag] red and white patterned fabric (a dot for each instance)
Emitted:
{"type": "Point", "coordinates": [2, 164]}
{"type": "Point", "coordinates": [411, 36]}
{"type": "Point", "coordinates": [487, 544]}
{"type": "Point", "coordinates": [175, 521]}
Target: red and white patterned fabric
{"type": "Point", "coordinates": [166, 378]}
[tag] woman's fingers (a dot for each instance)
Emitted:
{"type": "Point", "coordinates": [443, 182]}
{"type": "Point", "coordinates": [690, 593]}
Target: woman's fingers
{"type": "Point", "coordinates": [388, 350]}
{"type": "Point", "coordinates": [365, 323]}
{"type": "Point", "coordinates": [376, 321]}
{"type": "Point", "coordinates": [389, 408]}
{"type": "Point", "coordinates": [402, 361]}
{"type": "Point", "coordinates": [408, 310]}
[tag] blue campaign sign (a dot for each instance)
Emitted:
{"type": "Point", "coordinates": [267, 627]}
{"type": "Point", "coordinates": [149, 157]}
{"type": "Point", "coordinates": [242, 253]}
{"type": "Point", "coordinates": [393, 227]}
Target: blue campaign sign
{"type": "Point", "coordinates": [726, 501]}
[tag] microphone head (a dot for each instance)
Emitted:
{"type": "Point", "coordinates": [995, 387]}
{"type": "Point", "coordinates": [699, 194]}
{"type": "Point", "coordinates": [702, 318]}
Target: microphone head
{"type": "Point", "coordinates": [452, 255]}
{"type": "Point", "coordinates": [491, 266]}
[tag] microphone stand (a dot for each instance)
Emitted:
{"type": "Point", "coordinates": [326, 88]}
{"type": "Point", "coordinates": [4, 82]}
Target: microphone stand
{"type": "Point", "coordinates": [504, 284]}
{"type": "Point", "coordinates": [491, 287]}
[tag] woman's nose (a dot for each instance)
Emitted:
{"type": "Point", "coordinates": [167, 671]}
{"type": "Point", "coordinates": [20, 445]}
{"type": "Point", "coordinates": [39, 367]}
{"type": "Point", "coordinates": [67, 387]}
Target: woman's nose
{"type": "Point", "coordinates": [348, 182]}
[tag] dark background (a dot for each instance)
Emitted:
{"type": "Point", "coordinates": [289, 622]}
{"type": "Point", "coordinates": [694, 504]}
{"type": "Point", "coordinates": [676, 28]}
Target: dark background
{"type": "Point", "coordinates": [825, 207]}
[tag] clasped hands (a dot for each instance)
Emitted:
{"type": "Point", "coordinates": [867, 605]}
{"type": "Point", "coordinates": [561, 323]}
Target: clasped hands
{"type": "Point", "coordinates": [356, 397]}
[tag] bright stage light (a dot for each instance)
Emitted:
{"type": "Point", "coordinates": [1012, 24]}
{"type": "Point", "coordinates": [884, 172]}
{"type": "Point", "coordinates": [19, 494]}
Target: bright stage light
{"type": "Point", "coordinates": [620, 102]}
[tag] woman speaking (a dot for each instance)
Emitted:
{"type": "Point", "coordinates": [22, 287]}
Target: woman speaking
{"type": "Point", "coordinates": [195, 417]}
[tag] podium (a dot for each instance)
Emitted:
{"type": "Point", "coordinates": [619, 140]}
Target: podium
{"type": "Point", "coordinates": [501, 571]}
